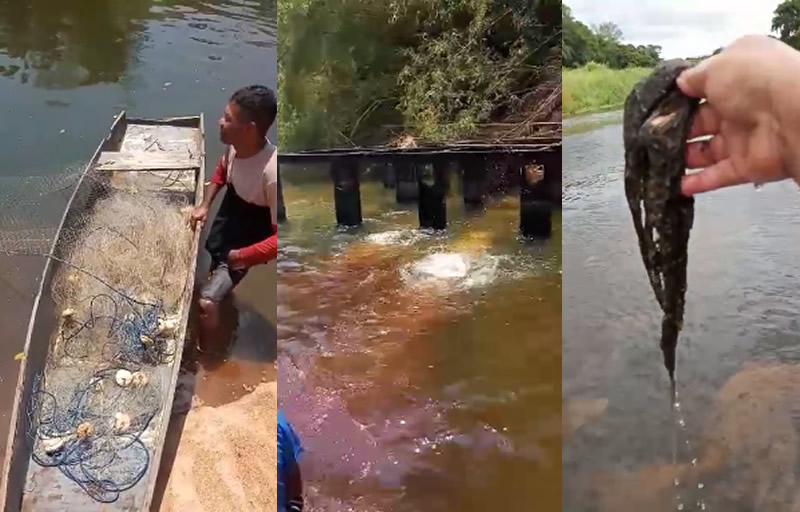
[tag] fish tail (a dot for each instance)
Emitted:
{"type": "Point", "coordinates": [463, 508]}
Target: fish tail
{"type": "Point", "coordinates": [669, 342]}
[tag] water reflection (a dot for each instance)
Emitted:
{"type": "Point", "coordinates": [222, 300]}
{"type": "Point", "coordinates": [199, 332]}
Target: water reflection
{"type": "Point", "coordinates": [55, 44]}
{"type": "Point", "coordinates": [62, 45]}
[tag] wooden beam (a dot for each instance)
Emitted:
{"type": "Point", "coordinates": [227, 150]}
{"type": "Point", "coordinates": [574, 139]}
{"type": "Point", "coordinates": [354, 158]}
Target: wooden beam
{"type": "Point", "coordinates": [347, 192]}
{"type": "Point", "coordinates": [118, 161]}
{"type": "Point", "coordinates": [428, 150]}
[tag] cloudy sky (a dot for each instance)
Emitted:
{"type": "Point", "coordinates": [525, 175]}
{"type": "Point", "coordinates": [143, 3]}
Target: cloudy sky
{"type": "Point", "coordinates": [684, 28]}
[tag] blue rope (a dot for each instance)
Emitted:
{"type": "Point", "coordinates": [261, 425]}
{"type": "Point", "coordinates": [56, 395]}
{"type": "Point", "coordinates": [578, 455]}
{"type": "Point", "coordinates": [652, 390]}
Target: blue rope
{"type": "Point", "coordinates": [85, 461]}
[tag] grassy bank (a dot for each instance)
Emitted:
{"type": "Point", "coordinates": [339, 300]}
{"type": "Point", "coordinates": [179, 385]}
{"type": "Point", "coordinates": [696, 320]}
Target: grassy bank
{"type": "Point", "coordinates": [595, 87]}
{"type": "Point", "coordinates": [589, 125]}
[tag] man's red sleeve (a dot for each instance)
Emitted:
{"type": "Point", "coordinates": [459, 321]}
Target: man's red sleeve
{"type": "Point", "coordinates": [261, 252]}
{"type": "Point", "coordinates": [220, 176]}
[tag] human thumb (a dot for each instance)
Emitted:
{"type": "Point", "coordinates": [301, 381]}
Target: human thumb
{"type": "Point", "coordinates": [692, 81]}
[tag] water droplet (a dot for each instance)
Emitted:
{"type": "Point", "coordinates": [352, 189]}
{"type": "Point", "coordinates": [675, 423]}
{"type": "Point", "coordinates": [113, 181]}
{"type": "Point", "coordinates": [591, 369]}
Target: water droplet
{"type": "Point", "coordinates": [702, 506]}
{"type": "Point", "coordinates": [700, 485]}
{"type": "Point", "coordinates": [682, 423]}
{"type": "Point", "coordinates": [678, 405]}
{"type": "Point", "coordinates": [680, 506]}
{"type": "Point", "coordinates": [676, 482]}
{"type": "Point", "coordinates": [694, 462]}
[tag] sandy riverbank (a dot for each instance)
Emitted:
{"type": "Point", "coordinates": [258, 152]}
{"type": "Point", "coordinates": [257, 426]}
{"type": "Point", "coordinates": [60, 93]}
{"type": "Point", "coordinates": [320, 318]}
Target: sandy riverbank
{"type": "Point", "coordinates": [226, 458]}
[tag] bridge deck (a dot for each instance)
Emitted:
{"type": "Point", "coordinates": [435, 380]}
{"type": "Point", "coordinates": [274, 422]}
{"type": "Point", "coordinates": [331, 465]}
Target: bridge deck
{"type": "Point", "coordinates": [422, 152]}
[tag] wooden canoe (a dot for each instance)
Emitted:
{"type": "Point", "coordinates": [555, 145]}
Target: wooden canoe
{"type": "Point", "coordinates": [125, 157]}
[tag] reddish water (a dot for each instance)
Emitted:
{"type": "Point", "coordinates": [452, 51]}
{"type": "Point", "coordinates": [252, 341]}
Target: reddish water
{"type": "Point", "coordinates": [414, 397]}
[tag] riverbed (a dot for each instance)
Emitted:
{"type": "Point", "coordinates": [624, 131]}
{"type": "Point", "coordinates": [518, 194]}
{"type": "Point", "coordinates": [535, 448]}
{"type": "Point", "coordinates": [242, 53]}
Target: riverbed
{"type": "Point", "coordinates": [66, 69]}
{"type": "Point", "coordinates": [420, 369]}
{"type": "Point", "coordinates": [732, 445]}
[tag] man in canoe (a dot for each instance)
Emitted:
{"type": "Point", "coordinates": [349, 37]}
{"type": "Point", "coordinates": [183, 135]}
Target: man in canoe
{"type": "Point", "coordinates": [244, 232]}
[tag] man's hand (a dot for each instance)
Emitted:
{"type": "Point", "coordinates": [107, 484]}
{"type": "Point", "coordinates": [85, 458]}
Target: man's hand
{"type": "Point", "coordinates": [751, 113]}
{"type": "Point", "coordinates": [235, 260]}
{"type": "Point", "coordinates": [199, 216]}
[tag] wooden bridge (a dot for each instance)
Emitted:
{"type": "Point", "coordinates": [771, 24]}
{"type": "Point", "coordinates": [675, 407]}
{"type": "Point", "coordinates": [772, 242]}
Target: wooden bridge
{"type": "Point", "coordinates": [422, 175]}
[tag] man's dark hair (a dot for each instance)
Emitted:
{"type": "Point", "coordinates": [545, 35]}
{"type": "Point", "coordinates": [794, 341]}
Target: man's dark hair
{"type": "Point", "coordinates": [258, 104]}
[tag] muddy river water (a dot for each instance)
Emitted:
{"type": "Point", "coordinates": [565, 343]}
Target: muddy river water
{"type": "Point", "coordinates": [66, 68]}
{"type": "Point", "coordinates": [733, 444]}
{"type": "Point", "coordinates": [421, 370]}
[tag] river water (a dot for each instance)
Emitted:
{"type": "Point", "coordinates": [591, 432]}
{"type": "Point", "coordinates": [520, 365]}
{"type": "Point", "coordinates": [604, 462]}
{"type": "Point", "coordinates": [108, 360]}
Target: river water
{"type": "Point", "coordinates": [737, 359]}
{"type": "Point", "coordinates": [67, 68]}
{"type": "Point", "coordinates": [421, 370]}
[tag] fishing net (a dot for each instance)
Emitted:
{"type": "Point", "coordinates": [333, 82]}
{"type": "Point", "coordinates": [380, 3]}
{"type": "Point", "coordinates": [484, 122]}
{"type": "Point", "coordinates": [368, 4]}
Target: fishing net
{"type": "Point", "coordinates": [118, 291]}
{"type": "Point", "coordinates": [30, 209]}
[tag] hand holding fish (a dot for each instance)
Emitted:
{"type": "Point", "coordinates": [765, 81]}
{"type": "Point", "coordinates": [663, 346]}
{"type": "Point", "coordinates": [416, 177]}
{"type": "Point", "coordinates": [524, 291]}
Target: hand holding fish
{"type": "Point", "coordinates": [752, 113]}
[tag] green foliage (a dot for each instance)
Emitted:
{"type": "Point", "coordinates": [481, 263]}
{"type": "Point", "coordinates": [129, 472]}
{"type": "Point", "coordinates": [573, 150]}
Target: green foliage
{"type": "Point", "coordinates": [435, 68]}
{"type": "Point", "coordinates": [786, 22]}
{"type": "Point", "coordinates": [596, 87]}
{"type": "Point", "coordinates": [608, 30]}
{"type": "Point", "coordinates": [603, 45]}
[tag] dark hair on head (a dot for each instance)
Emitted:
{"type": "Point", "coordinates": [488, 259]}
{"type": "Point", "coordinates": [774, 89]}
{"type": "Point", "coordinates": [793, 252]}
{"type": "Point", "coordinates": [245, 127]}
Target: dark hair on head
{"type": "Point", "coordinates": [259, 105]}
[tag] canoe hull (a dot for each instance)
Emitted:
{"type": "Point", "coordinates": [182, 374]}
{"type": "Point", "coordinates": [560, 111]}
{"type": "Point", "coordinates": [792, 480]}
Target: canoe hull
{"type": "Point", "coordinates": [16, 493]}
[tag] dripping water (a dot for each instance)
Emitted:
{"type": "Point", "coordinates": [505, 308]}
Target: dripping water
{"type": "Point", "coordinates": [678, 427]}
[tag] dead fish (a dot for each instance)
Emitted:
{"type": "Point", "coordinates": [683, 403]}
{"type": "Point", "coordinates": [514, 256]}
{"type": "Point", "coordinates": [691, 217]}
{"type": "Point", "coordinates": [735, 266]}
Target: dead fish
{"type": "Point", "coordinates": [656, 126]}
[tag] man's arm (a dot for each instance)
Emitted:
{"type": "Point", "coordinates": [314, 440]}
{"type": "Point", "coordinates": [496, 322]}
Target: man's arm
{"type": "Point", "coordinates": [218, 181]}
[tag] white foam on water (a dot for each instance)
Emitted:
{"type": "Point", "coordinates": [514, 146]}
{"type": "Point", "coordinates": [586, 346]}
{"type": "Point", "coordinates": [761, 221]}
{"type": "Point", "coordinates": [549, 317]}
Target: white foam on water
{"type": "Point", "coordinates": [453, 270]}
{"type": "Point", "coordinates": [484, 272]}
{"type": "Point", "coordinates": [443, 266]}
{"type": "Point", "coordinates": [394, 237]}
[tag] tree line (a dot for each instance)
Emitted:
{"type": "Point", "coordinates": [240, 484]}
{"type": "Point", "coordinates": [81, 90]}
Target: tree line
{"type": "Point", "coordinates": [348, 69]}
{"type": "Point", "coordinates": [602, 44]}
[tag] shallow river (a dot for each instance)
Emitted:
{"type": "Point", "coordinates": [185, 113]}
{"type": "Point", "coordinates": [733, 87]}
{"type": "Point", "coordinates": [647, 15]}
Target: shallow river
{"type": "Point", "coordinates": [733, 444]}
{"type": "Point", "coordinates": [421, 370]}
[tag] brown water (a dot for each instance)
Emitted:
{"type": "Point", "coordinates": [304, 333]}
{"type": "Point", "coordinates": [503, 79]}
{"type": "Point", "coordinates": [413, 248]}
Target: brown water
{"type": "Point", "coordinates": [737, 358]}
{"type": "Point", "coordinates": [412, 393]}
{"type": "Point", "coordinates": [66, 68]}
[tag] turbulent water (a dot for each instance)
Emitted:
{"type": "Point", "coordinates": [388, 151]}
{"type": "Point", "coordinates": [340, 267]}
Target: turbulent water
{"type": "Point", "coordinates": [733, 444]}
{"type": "Point", "coordinates": [420, 369]}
